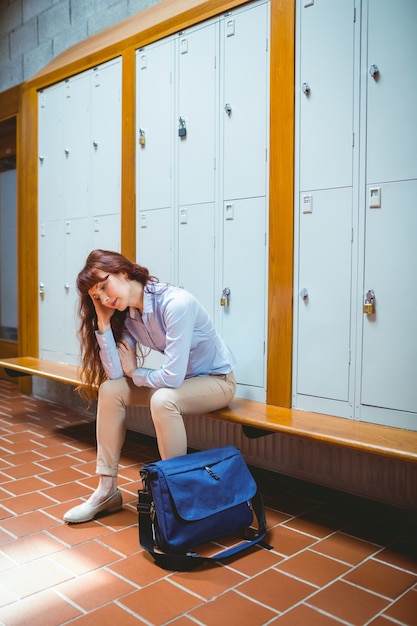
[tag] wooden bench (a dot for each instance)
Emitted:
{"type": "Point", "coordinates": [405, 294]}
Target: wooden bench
{"type": "Point", "coordinates": [258, 418]}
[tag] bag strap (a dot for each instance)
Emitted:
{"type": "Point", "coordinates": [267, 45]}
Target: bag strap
{"type": "Point", "coordinates": [190, 560]}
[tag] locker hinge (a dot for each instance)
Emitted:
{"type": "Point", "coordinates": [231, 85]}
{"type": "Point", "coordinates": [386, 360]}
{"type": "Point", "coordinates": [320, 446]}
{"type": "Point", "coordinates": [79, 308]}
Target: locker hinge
{"type": "Point", "coordinates": [354, 14]}
{"type": "Point", "coordinates": [349, 356]}
{"type": "Point", "coordinates": [353, 140]}
{"type": "Point", "coordinates": [266, 44]}
{"type": "Point", "coordinates": [264, 347]}
{"type": "Point", "coordinates": [352, 235]}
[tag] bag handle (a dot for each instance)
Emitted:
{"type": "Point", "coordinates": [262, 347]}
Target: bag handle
{"type": "Point", "coordinates": [191, 560]}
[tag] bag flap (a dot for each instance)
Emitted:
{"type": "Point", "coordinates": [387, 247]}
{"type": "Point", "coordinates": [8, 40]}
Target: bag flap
{"type": "Point", "coordinates": [204, 483]}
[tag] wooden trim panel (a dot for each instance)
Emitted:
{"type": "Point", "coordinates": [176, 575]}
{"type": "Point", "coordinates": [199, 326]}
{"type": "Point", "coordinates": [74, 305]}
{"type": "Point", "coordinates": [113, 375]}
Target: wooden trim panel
{"type": "Point", "coordinates": [281, 204]}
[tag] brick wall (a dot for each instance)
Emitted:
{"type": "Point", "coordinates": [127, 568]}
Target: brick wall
{"type": "Point", "coordinates": [33, 32]}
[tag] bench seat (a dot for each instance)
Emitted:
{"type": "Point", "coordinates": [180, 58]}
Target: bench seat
{"type": "Point", "coordinates": [30, 366]}
{"type": "Point", "coordinates": [257, 418]}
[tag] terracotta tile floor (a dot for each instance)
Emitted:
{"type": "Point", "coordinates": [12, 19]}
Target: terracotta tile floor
{"type": "Point", "coordinates": [336, 559]}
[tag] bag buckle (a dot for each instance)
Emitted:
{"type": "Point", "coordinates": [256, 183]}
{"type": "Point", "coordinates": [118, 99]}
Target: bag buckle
{"type": "Point", "coordinates": [145, 503]}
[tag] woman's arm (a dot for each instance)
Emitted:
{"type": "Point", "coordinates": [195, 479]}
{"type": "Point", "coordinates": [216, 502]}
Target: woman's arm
{"type": "Point", "coordinates": [179, 315]}
{"type": "Point", "coordinates": [109, 353]}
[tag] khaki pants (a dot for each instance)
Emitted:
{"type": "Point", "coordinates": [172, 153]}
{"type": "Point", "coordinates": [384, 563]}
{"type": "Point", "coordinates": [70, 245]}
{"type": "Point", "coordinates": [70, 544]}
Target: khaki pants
{"type": "Point", "coordinates": [195, 396]}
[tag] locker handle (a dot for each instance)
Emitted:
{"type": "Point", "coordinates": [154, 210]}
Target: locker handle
{"type": "Point", "coordinates": [42, 290]}
{"type": "Point", "coordinates": [228, 108]}
{"type": "Point", "coordinates": [304, 293]}
{"type": "Point", "coordinates": [306, 89]}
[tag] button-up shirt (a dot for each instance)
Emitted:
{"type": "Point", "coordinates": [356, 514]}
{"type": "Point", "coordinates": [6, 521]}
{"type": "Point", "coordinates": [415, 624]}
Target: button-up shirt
{"type": "Point", "coordinates": [175, 324]}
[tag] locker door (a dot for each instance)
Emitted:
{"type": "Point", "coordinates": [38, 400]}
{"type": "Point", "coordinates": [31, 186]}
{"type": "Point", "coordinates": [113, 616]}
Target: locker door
{"type": "Point", "coordinates": [244, 273]}
{"type": "Point", "coordinates": [106, 232]}
{"type": "Point", "coordinates": [389, 361]}
{"type": "Point", "coordinates": [244, 110]}
{"type": "Point", "coordinates": [324, 307]}
{"type": "Point", "coordinates": [51, 153]}
{"type": "Point", "coordinates": [154, 119]}
{"type": "Point", "coordinates": [106, 138]}
{"type": "Point", "coordinates": [326, 107]}
{"type": "Point", "coordinates": [392, 91]}
{"type": "Point", "coordinates": [77, 246]}
{"type": "Point", "coordinates": [154, 243]}
{"type": "Point", "coordinates": [196, 261]}
{"type": "Point", "coordinates": [197, 95]}
{"type": "Point", "coordinates": [51, 272]}
{"type": "Point", "coordinates": [389, 336]}
{"type": "Point", "coordinates": [77, 146]}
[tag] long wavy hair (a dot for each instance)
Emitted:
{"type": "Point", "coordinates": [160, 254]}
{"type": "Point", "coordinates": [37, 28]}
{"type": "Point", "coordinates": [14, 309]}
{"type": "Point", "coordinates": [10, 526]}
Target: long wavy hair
{"type": "Point", "coordinates": [92, 371]}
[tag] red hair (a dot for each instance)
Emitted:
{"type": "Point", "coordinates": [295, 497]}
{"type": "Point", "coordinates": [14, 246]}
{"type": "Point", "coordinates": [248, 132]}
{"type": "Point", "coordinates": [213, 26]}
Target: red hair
{"type": "Point", "coordinates": [92, 371]}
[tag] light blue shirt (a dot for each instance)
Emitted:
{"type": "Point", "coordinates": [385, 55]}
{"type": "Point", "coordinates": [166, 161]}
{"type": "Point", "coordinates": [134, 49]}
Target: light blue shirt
{"type": "Point", "coordinates": [174, 323]}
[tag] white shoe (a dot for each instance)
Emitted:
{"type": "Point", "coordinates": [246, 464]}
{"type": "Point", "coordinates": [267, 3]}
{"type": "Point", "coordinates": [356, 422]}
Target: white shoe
{"type": "Point", "coordinates": [86, 512]}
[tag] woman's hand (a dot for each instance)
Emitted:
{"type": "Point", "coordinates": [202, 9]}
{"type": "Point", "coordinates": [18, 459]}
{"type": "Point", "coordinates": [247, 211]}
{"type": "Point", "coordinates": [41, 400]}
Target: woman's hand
{"type": "Point", "coordinates": [104, 315]}
{"type": "Point", "coordinates": [127, 358]}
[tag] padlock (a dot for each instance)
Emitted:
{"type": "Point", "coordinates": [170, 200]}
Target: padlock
{"type": "Point", "coordinates": [224, 300]}
{"type": "Point", "coordinates": [182, 131]}
{"type": "Point", "coordinates": [368, 308]}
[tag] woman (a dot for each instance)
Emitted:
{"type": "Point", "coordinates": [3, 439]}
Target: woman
{"type": "Point", "coordinates": [122, 309]}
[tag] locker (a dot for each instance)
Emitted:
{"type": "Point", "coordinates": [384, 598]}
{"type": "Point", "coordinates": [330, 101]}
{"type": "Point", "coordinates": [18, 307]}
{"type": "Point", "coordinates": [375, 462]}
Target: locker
{"type": "Point", "coordinates": [77, 147]}
{"type": "Point", "coordinates": [77, 247]}
{"type": "Point", "coordinates": [51, 290]}
{"type": "Point", "coordinates": [244, 274]}
{"type": "Point", "coordinates": [199, 163]}
{"type": "Point", "coordinates": [154, 125]}
{"type": "Point", "coordinates": [245, 120]}
{"type": "Point", "coordinates": [391, 91]}
{"type": "Point", "coordinates": [325, 91]}
{"type": "Point", "coordinates": [106, 232]}
{"type": "Point", "coordinates": [376, 323]}
{"type": "Point", "coordinates": [389, 362]}
{"type": "Point", "coordinates": [154, 243]}
{"type": "Point", "coordinates": [79, 195]}
{"type": "Point", "coordinates": [196, 253]}
{"type": "Point", "coordinates": [324, 301]}
{"type": "Point", "coordinates": [105, 138]}
{"type": "Point", "coordinates": [51, 154]}
{"type": "Point", "coordinates": [197, 95]}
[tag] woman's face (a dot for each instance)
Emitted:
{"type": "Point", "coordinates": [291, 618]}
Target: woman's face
{"type": "Point", "coordinates": [112, 290]}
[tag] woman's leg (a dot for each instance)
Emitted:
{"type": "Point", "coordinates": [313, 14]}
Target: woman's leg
{"type": "Point", "coordinates": [114, 396]}
{"type": "Point", "coordinates": [195, 396]}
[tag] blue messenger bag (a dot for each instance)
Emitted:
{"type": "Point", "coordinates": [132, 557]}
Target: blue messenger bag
{"type": "Point", "coordinates": [194, 499]}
